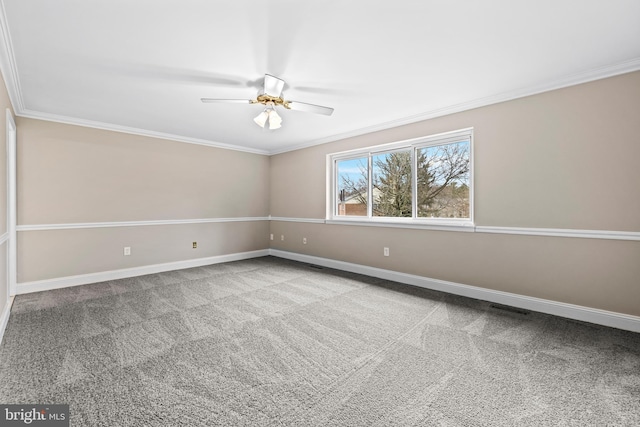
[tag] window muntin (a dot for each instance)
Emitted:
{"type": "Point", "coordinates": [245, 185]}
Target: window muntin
{"type": "Point", "coordinates": [426, 180]}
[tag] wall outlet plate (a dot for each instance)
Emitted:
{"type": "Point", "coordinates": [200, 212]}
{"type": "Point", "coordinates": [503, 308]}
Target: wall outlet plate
{"type": "Point", "coordinates": [127, 250]}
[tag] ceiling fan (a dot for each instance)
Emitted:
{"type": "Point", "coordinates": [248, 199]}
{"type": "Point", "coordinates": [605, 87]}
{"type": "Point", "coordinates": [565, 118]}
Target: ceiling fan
{"type": "Point", "coordinates": [271, 96]}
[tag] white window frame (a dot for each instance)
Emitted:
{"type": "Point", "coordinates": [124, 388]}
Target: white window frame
{"type": "Point", "coordinates": [461, 224]}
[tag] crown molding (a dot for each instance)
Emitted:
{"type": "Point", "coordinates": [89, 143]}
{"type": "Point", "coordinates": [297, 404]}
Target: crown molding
{"type": "Point", "coordinates": [8, 63]}
{"type": "Point", "coordinates": [30, 114]}
{"type": "Point", "coordinates": [559, 83]}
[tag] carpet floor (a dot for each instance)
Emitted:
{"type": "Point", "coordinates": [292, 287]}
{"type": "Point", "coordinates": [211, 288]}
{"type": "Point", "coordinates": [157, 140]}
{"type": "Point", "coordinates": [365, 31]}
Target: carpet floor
{"type": "Point", "coordinates": [271, 342]}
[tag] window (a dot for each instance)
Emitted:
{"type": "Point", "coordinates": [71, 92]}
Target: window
{"type": "Point", "coordinates": [421, 181]}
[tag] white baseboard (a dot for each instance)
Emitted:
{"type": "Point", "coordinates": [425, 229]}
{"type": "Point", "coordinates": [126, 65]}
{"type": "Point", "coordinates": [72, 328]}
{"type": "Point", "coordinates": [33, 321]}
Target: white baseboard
{"type": "Point", "coordinates": [84, 279]}
{"type": "Point", "coordinates": [570, 311]}
{"type": "Point", "coordinates": [4, 317]}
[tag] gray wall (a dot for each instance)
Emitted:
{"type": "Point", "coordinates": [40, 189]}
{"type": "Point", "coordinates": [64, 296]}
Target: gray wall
{"type": "Point", "coordinates": [74, 175]}
{"type": "Point", "coordinates": [564, 159]}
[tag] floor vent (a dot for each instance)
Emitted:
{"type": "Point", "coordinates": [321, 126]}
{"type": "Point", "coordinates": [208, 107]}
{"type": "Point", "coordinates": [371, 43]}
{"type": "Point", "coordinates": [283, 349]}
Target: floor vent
{"type": "Point", "coordinates": [509, 309]}
{"type": "Point", "coordinates": [315, 267]}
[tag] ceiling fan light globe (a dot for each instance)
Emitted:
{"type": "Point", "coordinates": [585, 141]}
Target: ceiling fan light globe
{"type": "Point", "coordinates": [275, 121]}
{"type": "Point", "coordinates": [261, 119]}
{"type": "Point", "coordinates": [275, 125]}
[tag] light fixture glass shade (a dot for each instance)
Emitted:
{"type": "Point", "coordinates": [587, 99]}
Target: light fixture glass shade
{"type": "Point", "coordinates": [261, 118]}
{"type": "Point", "coordinates": [275, 121]}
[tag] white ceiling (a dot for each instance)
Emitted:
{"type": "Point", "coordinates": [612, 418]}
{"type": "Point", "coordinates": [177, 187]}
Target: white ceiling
{"type": "Point", "coordinates": [142, 66]}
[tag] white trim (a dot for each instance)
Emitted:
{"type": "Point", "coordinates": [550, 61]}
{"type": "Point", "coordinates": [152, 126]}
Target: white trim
{"type": "Point", "coordinates": [4, 238]}
{"type": "Point", "coordinates": [12, 205]}
{"type": "Point", "coordinates": [4, 317]}
{"type": "Point", "coordinates": [468, 227]}
{"type": "Point", "coordinates": [570, 311]}
{"type": "Point", "coordinates": [83, 279]}
{"type": "Point", "coordinates": [30, 114]}
{"type": "Point", "coordinates": [330, 179]}
{"type": "Point", "coordinates": [559, 83]}
{"type": "Point", "coordinates": [463, 226]}
{"type": "Point", "coordinates": [287, 219]}
{"type": "Point", "coordinates": [71, 226]}
{"type": "Point", "coordinates": [560, 232]}
{"type": "Point", "coordinates": [8, 63]}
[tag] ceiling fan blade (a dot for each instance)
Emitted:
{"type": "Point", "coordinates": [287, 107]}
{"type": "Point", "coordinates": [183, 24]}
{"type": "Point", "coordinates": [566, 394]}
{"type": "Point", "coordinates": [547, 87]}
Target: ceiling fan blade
{"type": "Point", "coordinates": [272, 85]}
{"type": "Point", "coordinates": [310, 108]}
{"type": "Point", "coordinates": [228, 101]}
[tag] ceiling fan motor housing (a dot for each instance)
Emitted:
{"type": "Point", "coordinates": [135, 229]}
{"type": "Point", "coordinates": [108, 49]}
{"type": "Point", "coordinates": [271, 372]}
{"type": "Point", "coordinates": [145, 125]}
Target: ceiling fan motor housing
{"type": "Point", "coordinates": [265, 99]}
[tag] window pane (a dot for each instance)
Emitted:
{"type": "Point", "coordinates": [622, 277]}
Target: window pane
{"type": "Point", "coordinates": [392, 184]}
{"type": "Point", "coordinates": [352, 186]}
{"type": "Point", "coordinates": [443, 181]}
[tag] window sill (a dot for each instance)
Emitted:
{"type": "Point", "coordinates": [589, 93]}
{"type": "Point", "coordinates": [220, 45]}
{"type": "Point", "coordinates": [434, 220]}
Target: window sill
{"type": "Point", "coordinates": [445, 225]}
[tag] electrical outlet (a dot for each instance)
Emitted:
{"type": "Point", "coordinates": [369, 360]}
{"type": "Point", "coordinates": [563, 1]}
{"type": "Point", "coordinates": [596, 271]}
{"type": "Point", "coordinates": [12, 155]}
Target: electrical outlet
{"type": "Point", "coordinates": [195, 245]}
{"type": "Point", "coordinates": [271, 236]}
{"type": "Point", "coordinates": [304, 240]}
{"type": "Point", "coordinates": [127, 250]}
{"type": "Point", "coordinates": [282, 237]}
{"type": "Point", "coordinates": [386, 251]}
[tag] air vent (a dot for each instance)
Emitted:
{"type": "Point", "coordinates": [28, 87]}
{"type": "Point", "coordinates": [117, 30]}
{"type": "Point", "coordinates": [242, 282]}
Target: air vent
{"type": "Point", "coordinates": [315, 267]}
{"type": "Point", "coordinates": [509, 309]}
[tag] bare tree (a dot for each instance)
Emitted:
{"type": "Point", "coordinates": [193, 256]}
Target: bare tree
{"type": "Point", "coordinates": [443, 177]}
